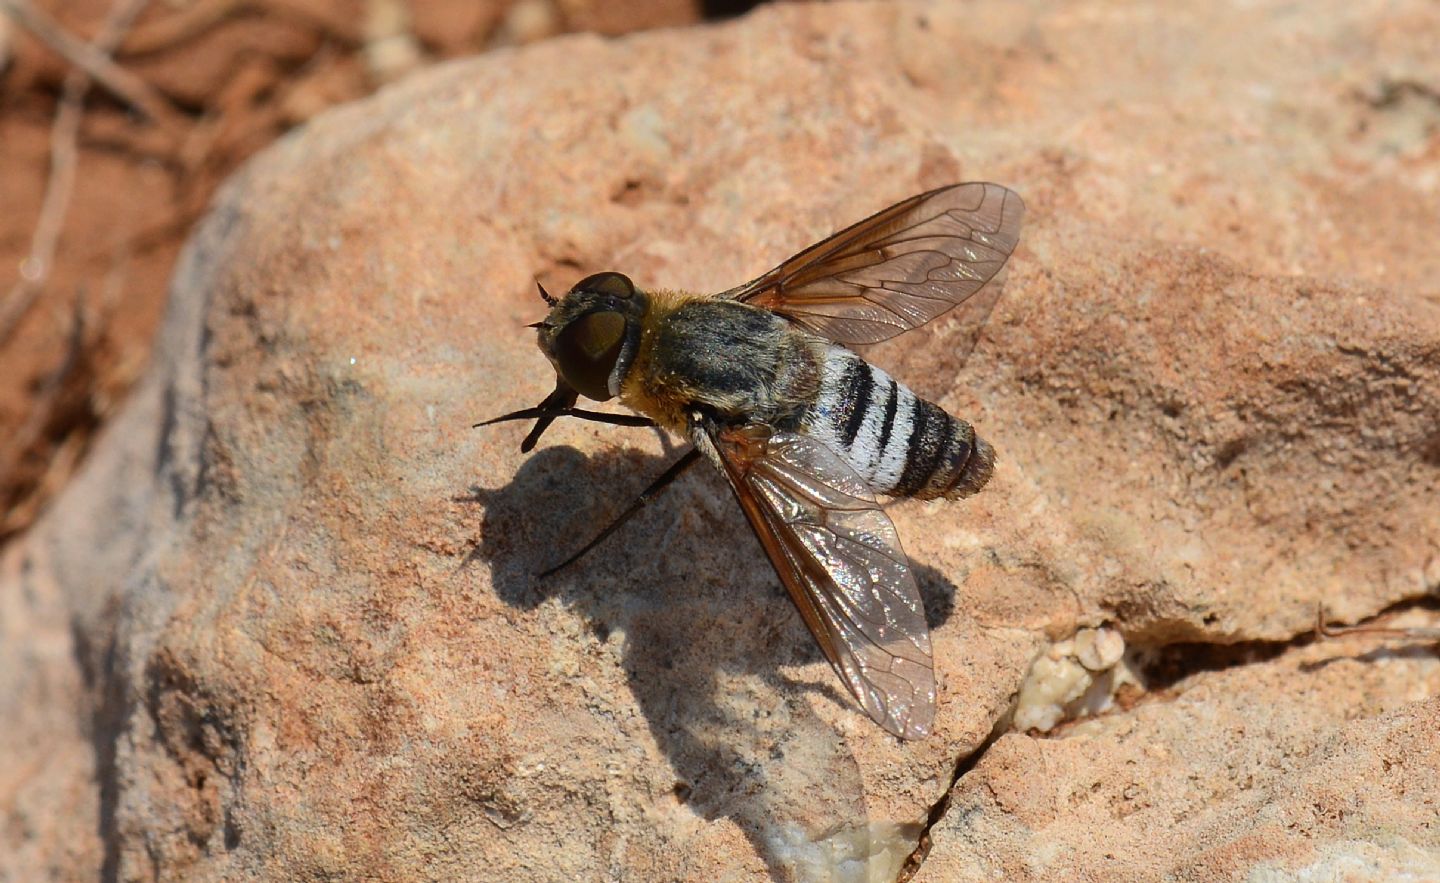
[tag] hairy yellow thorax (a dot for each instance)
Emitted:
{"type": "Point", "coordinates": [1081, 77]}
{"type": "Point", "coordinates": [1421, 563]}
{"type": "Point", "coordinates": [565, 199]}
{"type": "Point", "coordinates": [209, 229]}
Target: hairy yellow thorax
{"type": "Point", "coordinates": [660, 397]}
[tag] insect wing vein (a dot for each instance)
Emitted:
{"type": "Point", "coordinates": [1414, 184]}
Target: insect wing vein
{"type": "Point", "coordinates": [897, 269]}
{"type": "Point", "coordinates": [841, 560]}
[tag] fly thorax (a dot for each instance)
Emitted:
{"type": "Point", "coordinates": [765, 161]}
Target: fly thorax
{"type": "Point", "coordinates": [741, 363]}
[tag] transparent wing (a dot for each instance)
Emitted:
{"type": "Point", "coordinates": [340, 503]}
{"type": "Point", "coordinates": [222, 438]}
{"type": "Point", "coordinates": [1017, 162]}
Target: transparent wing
{"type": "Point", "coordinates": [898, 269]}
{"type": "Point", "coordinates": [840, 559]}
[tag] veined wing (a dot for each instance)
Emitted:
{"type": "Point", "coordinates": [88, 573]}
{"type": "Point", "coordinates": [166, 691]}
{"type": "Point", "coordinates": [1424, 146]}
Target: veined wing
{"type": "Point", "coordinates": [840, 559]}
{"type": "Point", "coordinates": [897, 269]}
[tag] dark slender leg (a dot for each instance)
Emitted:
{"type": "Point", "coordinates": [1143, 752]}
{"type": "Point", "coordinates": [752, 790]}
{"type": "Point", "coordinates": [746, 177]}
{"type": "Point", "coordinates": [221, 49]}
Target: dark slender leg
{"type": "Point", "coordinates": [595, 416]}
{"type": "Point", "coordinates": [615, 419]}
{"type": "Point", "coordinates": [563, 397]}
{"type": "Point", "coordinates": [561, 403]}
{"type": "Point", "coordinates": [646, 496]}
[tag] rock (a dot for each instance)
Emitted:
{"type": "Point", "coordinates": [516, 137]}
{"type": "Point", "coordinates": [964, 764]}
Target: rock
{"type": "Point", "coordinates": [1321, 764]}
{"type": "Point", "coordinates": [1099, 649]}
{"type": "Point", "coordinates": [284, 624]}
{"type": "Point", "coordinates": [1076, 677]}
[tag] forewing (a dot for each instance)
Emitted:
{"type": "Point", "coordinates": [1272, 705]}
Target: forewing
{"type": "Point", "coordinates": [841, 561]}
{"type": "Point", "coordinates": [898, 269]}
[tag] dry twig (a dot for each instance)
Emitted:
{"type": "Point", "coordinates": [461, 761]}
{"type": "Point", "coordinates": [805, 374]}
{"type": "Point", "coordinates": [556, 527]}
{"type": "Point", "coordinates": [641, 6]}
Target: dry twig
{"type": "Point", "coordinates": [42, 410]}
{"type": "Point", "coordinates": [95, 61]}
{"type": "Point", "coordinates": [4, 43]}
{"type": "Point", "coordinates": [194, 19]}
{"type": "Point", "coordinates": [186, 23]}
{"type": "Point", "coordinates": [64, 135]}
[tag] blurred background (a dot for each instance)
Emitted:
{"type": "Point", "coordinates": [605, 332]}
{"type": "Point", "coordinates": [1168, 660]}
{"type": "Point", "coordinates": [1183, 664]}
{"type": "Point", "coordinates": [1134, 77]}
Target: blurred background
{"type": "Point", "coordinates": [119, 118]}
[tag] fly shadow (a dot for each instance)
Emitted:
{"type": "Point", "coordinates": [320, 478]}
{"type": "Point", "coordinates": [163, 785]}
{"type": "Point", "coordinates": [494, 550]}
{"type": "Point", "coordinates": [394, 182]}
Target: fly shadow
{"type": "Point", "coordinates": [706, 630]}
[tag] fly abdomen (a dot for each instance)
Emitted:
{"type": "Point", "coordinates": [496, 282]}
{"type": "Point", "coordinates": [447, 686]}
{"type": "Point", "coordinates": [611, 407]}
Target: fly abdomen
{"type": "Point", "coordinates": [899, 443]}
{"type": "Point", "coordinates": [943, 456]}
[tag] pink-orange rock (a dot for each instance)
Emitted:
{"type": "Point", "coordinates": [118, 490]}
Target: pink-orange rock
{"type": "Point", "coordinates": [284, 624]}
{"type": "Point", "coordinates": [1322, 764]}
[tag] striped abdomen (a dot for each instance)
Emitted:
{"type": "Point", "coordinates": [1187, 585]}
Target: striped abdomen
{"type": "Point", "coordinates": [899, 443]}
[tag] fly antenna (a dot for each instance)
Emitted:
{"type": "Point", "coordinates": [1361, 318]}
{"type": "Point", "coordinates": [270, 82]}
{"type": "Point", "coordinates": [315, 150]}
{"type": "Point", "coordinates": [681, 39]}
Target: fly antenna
{"type": "Point", "coordinates": [549, 299]}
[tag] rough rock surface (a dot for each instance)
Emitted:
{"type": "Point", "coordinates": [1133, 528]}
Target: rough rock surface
{"type": "Point", "coordinates": [283, 624]}
{"type": "Point", "coordinates": [1322, 764]}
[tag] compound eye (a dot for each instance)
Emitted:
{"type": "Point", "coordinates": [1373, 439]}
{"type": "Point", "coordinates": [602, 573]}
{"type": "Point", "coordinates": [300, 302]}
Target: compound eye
{"type": "Point", "coordinates": [587, 349]}
{"type": "Point", "coordinates": [616, 285]}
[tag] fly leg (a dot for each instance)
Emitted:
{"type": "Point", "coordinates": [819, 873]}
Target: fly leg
{"type": "Point", "coordinates": [561, 403]}
{"type": "Point", "coordinates": [656, 486]}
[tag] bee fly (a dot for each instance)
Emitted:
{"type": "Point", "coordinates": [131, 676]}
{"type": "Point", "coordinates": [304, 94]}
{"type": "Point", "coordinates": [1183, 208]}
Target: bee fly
{"type": "Point", "coordinates": [759, 379]}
